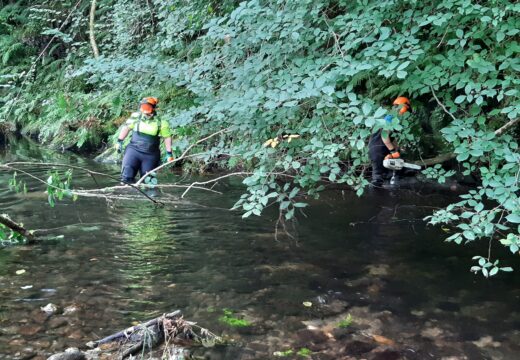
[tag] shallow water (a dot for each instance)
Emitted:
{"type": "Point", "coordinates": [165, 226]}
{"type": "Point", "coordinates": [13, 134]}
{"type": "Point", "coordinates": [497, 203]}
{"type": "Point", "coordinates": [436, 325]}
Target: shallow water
{"type": "Point", "coordinates": [370, 257]}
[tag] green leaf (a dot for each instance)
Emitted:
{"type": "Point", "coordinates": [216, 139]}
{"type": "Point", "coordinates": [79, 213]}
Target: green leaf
{"type": "Point", "coordinates": [384, 33]}
{"type": "Point", "coordinates": [459, 99]}
{"type": "Point", "coordinates": [366, 108]}
{"type": "Point", "coordinates": [401, 74]}
{"type": "Point", "coordinates": [403, 65]}
{"type": "Point", "coordinates": [514, 218]}
{"type": "Point", "coordinates": [328, 90]}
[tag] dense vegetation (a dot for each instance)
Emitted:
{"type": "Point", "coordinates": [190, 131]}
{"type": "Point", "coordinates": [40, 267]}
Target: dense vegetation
{"type": "Point", "coordinates": [325, 70]}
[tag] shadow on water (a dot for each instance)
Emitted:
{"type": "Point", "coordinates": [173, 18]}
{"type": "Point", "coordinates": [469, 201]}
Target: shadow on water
{"type": "Point", "coordinates": [371, 257]}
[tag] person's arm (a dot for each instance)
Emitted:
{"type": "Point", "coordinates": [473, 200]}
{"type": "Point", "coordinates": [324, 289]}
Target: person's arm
{"type": "Point", "coordinates": [123, 133]}
{"type": "Point", "coordinates": [167, 136]}
{"type": "Point", "coordinates": [390, 145]}
{"type": "Point", "coordinates": [168, 144]}
{"type": "Point", "coordinates": [120, 138]}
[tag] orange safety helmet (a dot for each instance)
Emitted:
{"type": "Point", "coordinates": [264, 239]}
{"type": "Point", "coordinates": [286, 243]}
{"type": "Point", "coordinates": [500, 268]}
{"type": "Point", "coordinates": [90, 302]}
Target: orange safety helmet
{"type": "Point", "coordinates": [407, 106]}
{"type": "Point", "coordinates": [148, 105]}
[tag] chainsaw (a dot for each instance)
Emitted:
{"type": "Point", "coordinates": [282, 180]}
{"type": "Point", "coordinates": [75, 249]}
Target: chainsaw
{"type": "Point", "coordinates": [398, 164]}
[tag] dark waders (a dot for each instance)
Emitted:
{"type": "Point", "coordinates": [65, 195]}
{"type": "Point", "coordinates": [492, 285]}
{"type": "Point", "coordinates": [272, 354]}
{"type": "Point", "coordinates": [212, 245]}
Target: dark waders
{"type": "Point", "coordinates": [377, 151]}
{"type": "Point", "coordinates": [141, 155]}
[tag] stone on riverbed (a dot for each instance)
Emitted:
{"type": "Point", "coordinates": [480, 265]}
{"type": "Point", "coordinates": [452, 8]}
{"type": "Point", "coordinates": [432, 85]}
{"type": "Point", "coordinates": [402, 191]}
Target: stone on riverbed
{"type": "Point", "coordinates": [49, 309]}
{"type": "Point", "coordinates": [69, 354]}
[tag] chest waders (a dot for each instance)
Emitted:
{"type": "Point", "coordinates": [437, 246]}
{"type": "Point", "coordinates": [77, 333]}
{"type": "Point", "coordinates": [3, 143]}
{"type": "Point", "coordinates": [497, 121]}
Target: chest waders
{"type": "Point", "coordinates": [377, 151]}
{"type": "Point", "coordinates": [142, 153]}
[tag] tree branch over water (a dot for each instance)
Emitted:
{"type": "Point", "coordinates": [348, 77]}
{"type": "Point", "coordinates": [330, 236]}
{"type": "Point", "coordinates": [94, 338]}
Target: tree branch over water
{"type": "Point", "coordinates": [10, 166]}
{"type": "Point", "coordinates": [19, 228]}
{"type": "Point", "coordinates": [183, 155]}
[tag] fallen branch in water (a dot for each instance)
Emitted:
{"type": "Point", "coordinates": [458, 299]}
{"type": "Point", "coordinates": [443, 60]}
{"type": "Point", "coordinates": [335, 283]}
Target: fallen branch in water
{"type": "Point", "coordinates": [182, 157]}
{"type": "Point", "coordinates": [168, 328]}
{"type": "Point", "coordinates": [10, 166]}
{"type": "Point", "coordinates": [19, 228]}
{"type": "Point", "coordinates": [126, 333]}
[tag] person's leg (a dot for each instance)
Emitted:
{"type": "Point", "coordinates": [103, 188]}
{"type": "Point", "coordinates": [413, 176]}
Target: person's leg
{"type": "Point", "coordinates": [379, 172]}
{"type": "Point", "coordinates": [131, 164]}
{"type": "Point", "coordinates": [149, 162]}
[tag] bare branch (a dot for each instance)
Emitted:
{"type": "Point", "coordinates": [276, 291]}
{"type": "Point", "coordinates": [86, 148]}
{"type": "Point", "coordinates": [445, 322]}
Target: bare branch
{"type": "Point", "coordinates": [511, 123]}
{"type": "Point", "coordinates": [192, 185]}
{"type": "Point", "coordinates": [183, 155]}
{"type": "Point", "coordinates": [441, 104]}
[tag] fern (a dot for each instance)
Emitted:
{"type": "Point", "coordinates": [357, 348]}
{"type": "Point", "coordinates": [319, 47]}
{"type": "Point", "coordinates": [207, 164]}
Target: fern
{"type": "Point", "coordinates": [15, 50]}
{"type": "Point", "coordinates": [384, 92]}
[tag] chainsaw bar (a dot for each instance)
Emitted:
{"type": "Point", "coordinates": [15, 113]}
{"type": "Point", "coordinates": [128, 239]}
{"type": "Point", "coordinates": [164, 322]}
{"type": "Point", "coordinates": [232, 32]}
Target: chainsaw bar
{"type": "Point", "coordinates": [398, 164]}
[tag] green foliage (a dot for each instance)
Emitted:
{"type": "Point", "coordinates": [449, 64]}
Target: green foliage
{"type": "Point", "coordinates": [9, 236]}
{"type": "Point", "coordinates": [229, 319]}
{"type": "Point", "coordinates": [304, 352]}
{"type": "Point", "coordinates": [487, 268]}
{"type": "Point", "coordinates": [438, 173]}
{"type": "Point", "coordinates": [346, 322]}
{"type": "Point", "coordinates": [284, 353]}
{"type": "Point", "coordinates": [17, 185]}
{"type": "Point", "coordinates": [59, 186]}
{"type": "Point", "coordinates": [325, 70]}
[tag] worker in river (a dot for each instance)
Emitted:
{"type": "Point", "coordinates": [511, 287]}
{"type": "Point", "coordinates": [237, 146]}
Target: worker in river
{"type": "Point", "coordinates": [143, 153]}
{"type": "Point", "coordinates": [382, 145]}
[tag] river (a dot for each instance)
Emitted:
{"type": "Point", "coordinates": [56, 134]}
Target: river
{"type": "Point", "coordinates": [371, 259]}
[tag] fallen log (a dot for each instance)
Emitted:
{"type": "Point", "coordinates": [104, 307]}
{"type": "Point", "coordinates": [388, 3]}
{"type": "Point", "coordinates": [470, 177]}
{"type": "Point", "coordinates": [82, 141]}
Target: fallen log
{"type": "Point", "coordinates": [435, 160]}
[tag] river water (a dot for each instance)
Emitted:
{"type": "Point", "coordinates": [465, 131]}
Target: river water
{"type": "Point", "coordinates": [371, 259]}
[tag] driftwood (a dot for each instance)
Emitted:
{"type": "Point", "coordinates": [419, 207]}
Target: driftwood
{"type": "Point", "coordinates": [170, 329]}
{"type": "Point", "coordinates": [127, 333]}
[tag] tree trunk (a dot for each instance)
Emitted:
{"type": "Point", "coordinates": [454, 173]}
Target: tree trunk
{"type": "Point", "coordinates": [95, 49]}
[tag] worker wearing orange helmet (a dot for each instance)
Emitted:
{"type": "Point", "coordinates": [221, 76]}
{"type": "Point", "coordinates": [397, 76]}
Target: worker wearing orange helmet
{"type": "Point", "coordinates": [143, 153]}
{"type": "Point", "coordinates": [382, 144]}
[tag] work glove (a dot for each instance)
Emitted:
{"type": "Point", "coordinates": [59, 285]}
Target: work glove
{"type": "Point", "coordinates": [393, 155]}
{"type": "Point", "coordinates": [169, 157]}
{"type": "Point", "coordinates": [119, 146]}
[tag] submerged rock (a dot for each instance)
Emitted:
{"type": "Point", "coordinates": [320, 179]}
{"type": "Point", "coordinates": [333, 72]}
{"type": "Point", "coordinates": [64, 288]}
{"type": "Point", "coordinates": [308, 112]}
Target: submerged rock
{"type": "Point", "coordinates": [386, 354]}
{"type": "Point", "coordinates": [70, 309]}
{"type": "Point", "coordinates": [29, 330]}
{"type": "Point", "coordinates": [431, 333]}
{"type": "Point", "coordinates": [69, 354]}
{"type": "Point", "coordinates": [358, 347]}
{"type": "Point", "coordinates": [486, 341]}
{"type": "Point", "coordinates": [49, 309]}
{"type": "Point", "coordinates": [57, 322]}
